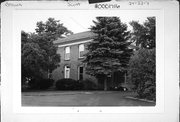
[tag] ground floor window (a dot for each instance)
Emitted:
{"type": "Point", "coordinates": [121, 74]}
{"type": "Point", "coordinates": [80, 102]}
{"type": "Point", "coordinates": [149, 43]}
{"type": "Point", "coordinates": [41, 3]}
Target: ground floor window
{"type": "Point", "coordinates": [80, 73]}
{"type": "Point", "coordinates": [66, 72]}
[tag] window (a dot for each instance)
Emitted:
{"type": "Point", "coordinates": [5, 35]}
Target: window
{"type": "Point", "coordinates": [67, 53]}
{"type": "Point", "coordinates": [81, 50]}
{"type": "Point", "coordinates": [80, 73]}
{"type": "Point", "coordinates": [66, 72]}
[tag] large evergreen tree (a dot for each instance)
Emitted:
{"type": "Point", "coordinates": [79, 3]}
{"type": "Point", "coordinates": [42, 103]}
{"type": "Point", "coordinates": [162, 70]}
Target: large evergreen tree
{"type": "Point", "coordinates": [109, 51]}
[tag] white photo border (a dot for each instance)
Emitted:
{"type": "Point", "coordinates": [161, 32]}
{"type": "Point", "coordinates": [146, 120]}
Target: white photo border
{"type": "Point", "coordinates": [167, 46]}
{"type": "Point", "coordinates": [17, 15]}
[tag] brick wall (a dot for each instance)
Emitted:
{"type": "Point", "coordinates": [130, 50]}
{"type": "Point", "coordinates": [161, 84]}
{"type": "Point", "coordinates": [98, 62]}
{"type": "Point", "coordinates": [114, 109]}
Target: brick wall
{"type": "Point", "coordinates": [74, 63]}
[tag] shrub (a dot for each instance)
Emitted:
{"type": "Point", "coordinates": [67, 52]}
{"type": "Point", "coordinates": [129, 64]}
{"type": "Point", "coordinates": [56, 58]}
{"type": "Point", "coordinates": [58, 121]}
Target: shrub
{"type": "Point", "coordinates": [141, 73]}
{"type": "Point", "coordinates": [67, 84]}
{"type": "Point", "coordinates": [33, 83]}
{"type": "Point", "coordinates": [87, 84]}
{"type": "Point", "coordinates": [40, 84]}
{"type": "Point", "coordinates": [24, 84]}
{"type": "Point", "coordinates": [45, 83]}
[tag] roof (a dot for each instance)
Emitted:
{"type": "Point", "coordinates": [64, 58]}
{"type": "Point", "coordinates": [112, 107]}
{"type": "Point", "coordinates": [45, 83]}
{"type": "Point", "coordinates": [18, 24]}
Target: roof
{"type": "Point", "coordinates": [75, 37]}
{"type": "Point", "coordinates": [87, 35]}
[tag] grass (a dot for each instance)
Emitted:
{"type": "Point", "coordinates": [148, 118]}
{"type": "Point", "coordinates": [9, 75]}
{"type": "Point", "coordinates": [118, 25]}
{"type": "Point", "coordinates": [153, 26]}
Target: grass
{"type": "Point", "coordinates": [81, 98]}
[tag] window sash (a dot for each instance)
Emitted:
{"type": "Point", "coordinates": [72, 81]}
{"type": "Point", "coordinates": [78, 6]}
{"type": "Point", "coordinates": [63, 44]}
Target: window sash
{"type": "Point", "coordinates": [67, 53]}
{"type": "Point", "coordinates": [81, 54]}
{"type": "Point", "coordinates": [67, 49]}
{"type": "Point", "coordinates": [67, 56]}
{"type": "Point", "coordinates": [67, 72]}
{"type": "Point", "coordinates": [81, 50]}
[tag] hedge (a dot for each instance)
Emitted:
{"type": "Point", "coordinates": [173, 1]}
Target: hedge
{"type": "Point", "coordinates": [68, 84]}
{"type": "Point", "coordinates": [87, 84]}
{"type": "Point", "coordinates": [40, 84]}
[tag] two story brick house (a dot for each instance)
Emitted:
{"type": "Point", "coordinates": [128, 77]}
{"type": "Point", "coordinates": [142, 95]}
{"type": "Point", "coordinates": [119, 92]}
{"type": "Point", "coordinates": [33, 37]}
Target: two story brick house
{"type": "Point", "coordinates": [71, 50]}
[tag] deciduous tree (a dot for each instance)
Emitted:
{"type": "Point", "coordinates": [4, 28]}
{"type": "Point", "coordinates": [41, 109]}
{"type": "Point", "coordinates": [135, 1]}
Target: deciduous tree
{"type": "Point", "coordinates": [142, 73]}
{"type": "Point", "coordinates": [144, 34]}
{"type": "Point", "coordinates": [142, 66]}
{"type": "Point", "coordinates": [47, 33]}
{"type": "Point", "coordinates": [39, 54]}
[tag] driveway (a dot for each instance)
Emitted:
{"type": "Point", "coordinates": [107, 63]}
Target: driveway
{"type": "Point", "coordinates": [81, 98]}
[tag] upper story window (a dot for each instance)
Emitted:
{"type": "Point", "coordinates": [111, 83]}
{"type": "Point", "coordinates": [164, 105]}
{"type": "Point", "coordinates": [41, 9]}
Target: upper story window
{"type": "Point", "coordinates": [81, 50]}
{"type": "Point", "coordinates": [67, 53]}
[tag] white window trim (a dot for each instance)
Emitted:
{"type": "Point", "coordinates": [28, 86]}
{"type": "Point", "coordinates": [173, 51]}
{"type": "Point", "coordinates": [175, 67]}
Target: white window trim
{"type": "Point", "coordinates": [67, 53]}
{"type": "Point", "coordinates": [65, 69]}
{"type": "Point", "coordinates": [80, 51]}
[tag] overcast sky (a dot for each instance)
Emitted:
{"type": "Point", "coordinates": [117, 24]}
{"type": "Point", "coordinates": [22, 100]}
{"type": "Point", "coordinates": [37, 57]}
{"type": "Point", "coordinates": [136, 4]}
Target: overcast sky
{"type": "Point", "coordinates": [76, 20]}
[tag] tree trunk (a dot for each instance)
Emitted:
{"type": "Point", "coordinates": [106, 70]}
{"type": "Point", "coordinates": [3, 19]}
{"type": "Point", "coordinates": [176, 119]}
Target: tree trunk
{"type": "Point", "coordinates": [105, 84]}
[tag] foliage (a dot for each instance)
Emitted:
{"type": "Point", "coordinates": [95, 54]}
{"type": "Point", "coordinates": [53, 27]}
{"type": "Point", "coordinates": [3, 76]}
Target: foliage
{"type": "Point", "coordinates": [109, 51]}
{"type": "Point", "coordinates": [87, 84]}
{"type": "Point", "coordinates": [52, 28]}
{"type": "Point", "coordinates": [32, 60]}
{"type": "Point", "coordinates": [47, 33]}
{"type": "Point", "coordinates": [45, 83]}
{"type": "Point", "coordinates": [40, 84]}
{"type": "Point", "coordinates": [33, 83]}
{"type": "Point", "coordinates": [38, 51]}
{"type": "Point", "coordinates": [70, 84]}
{"type": "Point", "coordinates": [142, 73]}
{"type": "Point", "coordinates": [67, 84]}
{"type": "Point", "coordinates": [144, 34]}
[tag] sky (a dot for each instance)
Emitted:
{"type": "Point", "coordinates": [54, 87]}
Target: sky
{"type": "Point", "coordinates": [76, 20]}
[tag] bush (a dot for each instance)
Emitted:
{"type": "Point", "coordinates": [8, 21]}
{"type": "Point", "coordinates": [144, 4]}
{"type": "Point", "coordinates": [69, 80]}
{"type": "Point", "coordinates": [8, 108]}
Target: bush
{"type": "Point", "coordinates": [40, 84]}
{"type": "Point", "coordinates": [87, 84]}
{"type": "Point", "coordinates": [68, 84]}
{"type": "Point", "coordinates": [33, 83]}
{"type": "Point", "coordinates": [141, 73]}
{"type": "Point", "coordinates": [45, 83]}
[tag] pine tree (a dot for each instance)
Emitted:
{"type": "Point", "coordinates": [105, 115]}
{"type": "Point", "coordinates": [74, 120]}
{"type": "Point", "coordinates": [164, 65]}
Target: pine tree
{"type": "Point", "coordinates": [109, 51]}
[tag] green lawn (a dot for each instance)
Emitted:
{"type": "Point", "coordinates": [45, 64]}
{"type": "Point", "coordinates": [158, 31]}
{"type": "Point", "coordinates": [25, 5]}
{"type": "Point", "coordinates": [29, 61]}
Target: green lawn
{"type": "Point", "coordinates": [81, 98]}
